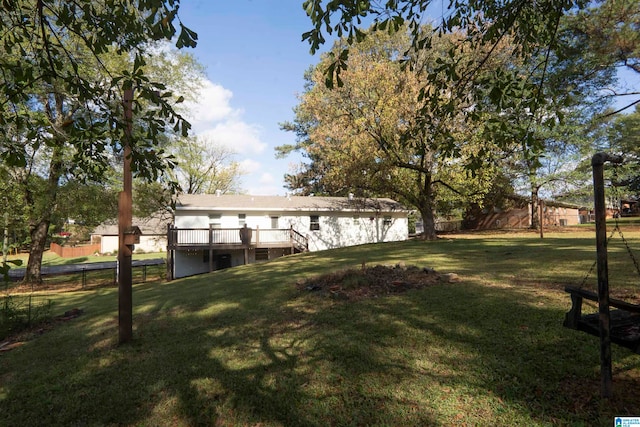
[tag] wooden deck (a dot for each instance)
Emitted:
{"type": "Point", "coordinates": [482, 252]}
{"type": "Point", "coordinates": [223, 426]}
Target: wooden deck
{"type": "Point", "coordinates": [232, 238]}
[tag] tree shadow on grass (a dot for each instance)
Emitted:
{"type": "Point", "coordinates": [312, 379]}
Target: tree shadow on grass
{"type": "Point", "coordinates": [241, 364]}
{"type": "Point", "coordinates": [240, 350]}
{"type": "Point", "coordinates": [522, 355]}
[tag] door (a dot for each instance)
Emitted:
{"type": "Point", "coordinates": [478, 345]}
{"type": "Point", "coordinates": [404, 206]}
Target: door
{"type": "Point", "coordinates": [223, 261]}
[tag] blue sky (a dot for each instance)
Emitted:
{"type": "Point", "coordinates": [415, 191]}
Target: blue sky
{"type": "Point", "coordinates": [255, 61]}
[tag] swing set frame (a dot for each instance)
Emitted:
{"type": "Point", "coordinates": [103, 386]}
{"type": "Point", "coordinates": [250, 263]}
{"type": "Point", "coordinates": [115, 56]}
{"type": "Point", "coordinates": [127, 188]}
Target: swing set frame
{"type": "Point", "coordinates": [620, 326]}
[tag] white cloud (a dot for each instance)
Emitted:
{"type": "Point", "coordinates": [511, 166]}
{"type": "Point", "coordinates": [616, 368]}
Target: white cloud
{"type": "Point", "coordinates": [265, 190]}
{"type": "Point", "coordinates": [259, 183]}
{"type": "Point", "coordinates": [267, 179]}
{"type": "Point", "coordinates": [214, 117]}
{"type": "Point", "coordinates": [241, 137]}
{"type": "Point", "coordinates": [213, 106]}
{"type": "Point", "coordinates": [249, 166]}
{"type": "Point", "coordinates": [266, 184]}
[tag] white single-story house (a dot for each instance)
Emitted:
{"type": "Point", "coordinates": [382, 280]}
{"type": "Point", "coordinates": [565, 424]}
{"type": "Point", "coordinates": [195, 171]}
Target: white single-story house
{"type": "Point", "coordinates": [153, 238]}
{"type": "Point", "coordinates": [211, 232]}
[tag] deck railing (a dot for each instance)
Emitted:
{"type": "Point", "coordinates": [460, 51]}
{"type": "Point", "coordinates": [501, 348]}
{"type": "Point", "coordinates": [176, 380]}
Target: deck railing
{"type": "Point", "coordinates": [299, 241]}
{"type": "Point", "coordinates": [205, 237]}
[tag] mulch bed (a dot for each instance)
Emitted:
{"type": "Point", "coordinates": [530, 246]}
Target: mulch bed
{"type": "Point", "coordinates": [372, 282]}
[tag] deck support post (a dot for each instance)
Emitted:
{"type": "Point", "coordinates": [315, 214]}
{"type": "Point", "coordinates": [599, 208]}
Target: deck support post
{"type": "Point", "coordinates": [210, 248]}
{"type": "Point", "coordinates": [171, 245]}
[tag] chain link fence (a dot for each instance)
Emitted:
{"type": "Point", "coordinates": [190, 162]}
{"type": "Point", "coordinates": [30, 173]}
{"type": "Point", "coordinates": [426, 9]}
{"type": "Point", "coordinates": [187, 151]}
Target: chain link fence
{"type": "Point", "coordinates": [21, 311]}
{"type": "Point", "coordinates": [25, 306]}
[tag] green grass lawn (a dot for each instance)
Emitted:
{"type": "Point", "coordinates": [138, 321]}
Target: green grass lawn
{"type": "Point", "coordinates": [244, 346]}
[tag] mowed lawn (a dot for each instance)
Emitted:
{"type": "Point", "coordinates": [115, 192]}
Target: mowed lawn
{"type": "Point", "coordinates": [245, 346]}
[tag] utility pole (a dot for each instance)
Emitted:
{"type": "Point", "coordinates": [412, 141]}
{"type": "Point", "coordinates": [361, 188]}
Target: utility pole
{"type": "Point", "coordinates": [125, 218]}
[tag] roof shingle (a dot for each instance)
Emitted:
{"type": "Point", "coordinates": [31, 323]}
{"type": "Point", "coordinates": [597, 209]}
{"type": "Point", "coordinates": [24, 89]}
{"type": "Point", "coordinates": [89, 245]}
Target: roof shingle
{"type": "Point", "coordinates": [284, 203]}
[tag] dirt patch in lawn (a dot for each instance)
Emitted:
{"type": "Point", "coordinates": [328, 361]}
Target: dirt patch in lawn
{"type": "Point", "coordinates": [372, 282]}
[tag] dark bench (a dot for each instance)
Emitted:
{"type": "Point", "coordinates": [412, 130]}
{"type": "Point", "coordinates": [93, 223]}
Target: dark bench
{"type": "Point", "coordinates": [624, 322]}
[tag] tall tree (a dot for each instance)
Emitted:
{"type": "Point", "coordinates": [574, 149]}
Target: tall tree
{"type": "Point", "coordinates": [368, 136]}
{"type": "Point", "coordinates": [610, 32]}
{"type": "Point", "coordinates": [85, 203]}
{"type": "Point", "coordinates": [12, 205]}
{"type": "Point", "coordinates": [205, 167]}
{"type": "Point", "coordinates": [522, 113]}
{"type": "Point", "coordinates": [532, 28]}
{"type": "Point", "coordinates": [623, 136]}
{"type": "Point", "coordinates": [566, 129]}
{"type": "Point", "coordinates": [527, 26]}
{"type": "Point", "coordinates": [61, 95]}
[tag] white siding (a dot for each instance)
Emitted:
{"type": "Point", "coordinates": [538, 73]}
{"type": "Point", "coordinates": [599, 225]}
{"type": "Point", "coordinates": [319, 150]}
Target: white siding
{"type": "Point", "coordinates": [189, 263]}
{"type": "Point", "coordinates": [191, 220]}
{"type": "Point", "coordinates": [194, 219]}
{"type": "Point", "coordinates": [337, 229]}
{"type": "Point", "coordinates": [109, 244]}
{"type": "Point", "coordinates": [152, 243]}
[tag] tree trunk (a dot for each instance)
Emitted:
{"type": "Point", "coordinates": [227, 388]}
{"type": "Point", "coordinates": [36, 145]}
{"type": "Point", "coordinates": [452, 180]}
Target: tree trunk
{"type": "Point", "coordinates": [41, 219]}
{"type": "Point", "coordinates": [424, 203]}
{"type": "Point", "coordinates": [425, 206]}
{"type": "Point", "coordinates": [535, 220]}
{"type": "Point", "coordinates": [5, 240]}
{"type": "Point", "coordinates": [429, 223]}
{"type": "Point", "coordinates": [39, 234]}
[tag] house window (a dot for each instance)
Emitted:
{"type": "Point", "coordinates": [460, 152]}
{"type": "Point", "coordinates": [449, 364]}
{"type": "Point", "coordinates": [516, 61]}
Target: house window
{"type": "Point", "coordinates": [242, 220]}
{"type": "Point", "coordinates": [275, 222]}
{"type": "Point", "coordinates": [314, 222]}
{"type": "Point", "coordinates": [215, 221]}
{"type": "Point", "coordinates": [386, 221]}
{"type": "Point", "coordinates": [262, 254]}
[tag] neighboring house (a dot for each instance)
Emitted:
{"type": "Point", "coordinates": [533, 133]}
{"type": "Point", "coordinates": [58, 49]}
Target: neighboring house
{"type": "Point", "coordinates": [211, 232]}
{"type": "Point", "coordinates": [153, 238]}
{"type": "Point", "coordinates": [613, 209]}
{"type": "Point", "coordinates": [555, 214]}
{"type": "Point", "coordinates": [629, 207]}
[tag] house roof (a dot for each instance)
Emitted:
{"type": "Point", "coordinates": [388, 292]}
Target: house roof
{"type": "Point", "coordinates": [210, 202]}
{"type": "Point", "coordinates": [153, 225]}
{"type": "Point", "coordinates": [525, 200]}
